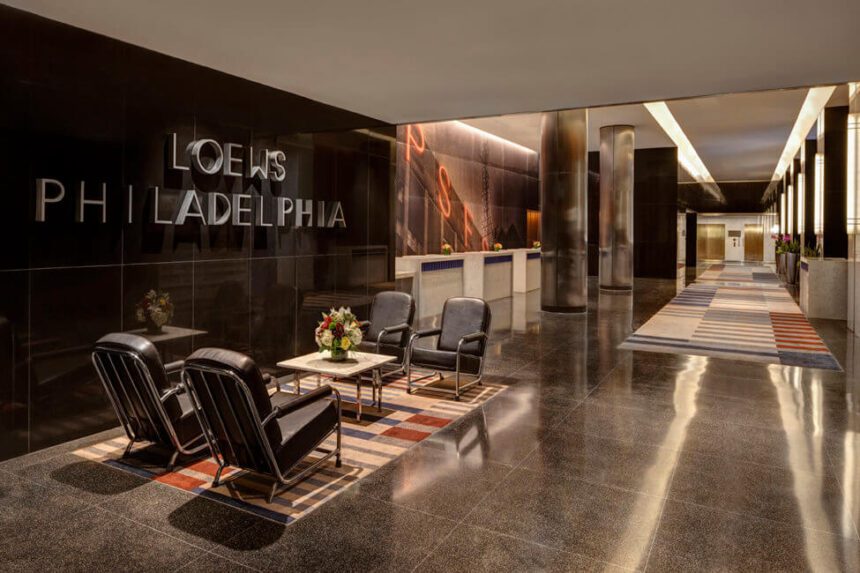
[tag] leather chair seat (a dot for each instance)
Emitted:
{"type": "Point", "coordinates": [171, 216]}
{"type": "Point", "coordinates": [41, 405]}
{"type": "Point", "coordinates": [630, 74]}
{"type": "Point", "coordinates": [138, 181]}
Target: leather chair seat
{"type": "Point", "coordinates": [444, 360]}
{"type": "Point", "coordinates": [387, 349]}
{"type": "Point", "coordinates": [300, 431]}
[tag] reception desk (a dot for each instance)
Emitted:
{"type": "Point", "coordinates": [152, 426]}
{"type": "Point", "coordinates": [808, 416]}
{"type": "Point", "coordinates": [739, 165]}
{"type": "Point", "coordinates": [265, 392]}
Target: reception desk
{"type": "Point", "coordinates": [485, 274]}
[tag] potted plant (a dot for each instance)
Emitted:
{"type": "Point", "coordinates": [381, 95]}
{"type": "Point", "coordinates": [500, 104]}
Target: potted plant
{"type": "Point", "coordinates": [777, 242]}
{"type": "Point", "coordinates": [535, 244]}
{"type": "Point", "coordinates": [154, 310]}
{"type": "Point", "coordinates": [792, 261]}
{"type": "Point", "coordinates": [338, 332]}
{"type": "Point", "coordinates": [447, 249]}
{"type": "Point", "coordinates": [497, 247]}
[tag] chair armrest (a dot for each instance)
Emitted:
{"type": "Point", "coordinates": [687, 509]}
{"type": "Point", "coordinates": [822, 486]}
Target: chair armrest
{"type": "Point", "coordinates": [178, 389]}
{"type": "Point", "coordinates": [391, 330]}
{"type": "Point", "coordinates": [474, 337]}
{"type": "Point", "coordinates": [427, 332]}
{"type": "Point", "coordinates": [173, 367]}
{"type": "Point", "coordinates": [300, 402]}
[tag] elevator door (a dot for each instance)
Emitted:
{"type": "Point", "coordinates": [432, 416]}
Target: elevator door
{"type": "Point", "coordinates": [753, 243]}
{"type": "Point", "coordinates": [711, 241]}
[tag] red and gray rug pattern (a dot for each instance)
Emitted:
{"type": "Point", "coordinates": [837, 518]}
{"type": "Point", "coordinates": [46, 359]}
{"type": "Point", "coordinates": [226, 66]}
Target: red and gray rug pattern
{"type": "Point", "coordinates": [380, 437]}
{"type": "Point", "coordinates": [738, 312]}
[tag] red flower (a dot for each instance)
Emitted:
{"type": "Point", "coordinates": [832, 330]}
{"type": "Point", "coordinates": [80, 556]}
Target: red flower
{"type": "Point", "coordinates": [338, 330]}
{"type": "Point", "coordinates": [326, 322]}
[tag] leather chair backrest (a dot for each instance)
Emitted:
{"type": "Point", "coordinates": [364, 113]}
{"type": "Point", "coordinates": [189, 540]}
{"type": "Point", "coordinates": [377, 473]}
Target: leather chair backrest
{"type": "Point", "coordinates": [461, 316]}
{"type": "Point", "coordinates": [391, 308]}
{"type": "Point", "coordinates": [227, 410]}
{"type": "Point", "coordinates": [134, 376]}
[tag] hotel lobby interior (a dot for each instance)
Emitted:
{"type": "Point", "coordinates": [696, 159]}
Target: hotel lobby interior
{"type": "Point", "coordinates": [482, 287]}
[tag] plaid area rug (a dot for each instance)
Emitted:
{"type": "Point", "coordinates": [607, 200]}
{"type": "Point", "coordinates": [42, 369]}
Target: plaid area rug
{"type": "Point", "coordinates": [379, 438]}
{"type": "Point", "coordinates": [737, 312]}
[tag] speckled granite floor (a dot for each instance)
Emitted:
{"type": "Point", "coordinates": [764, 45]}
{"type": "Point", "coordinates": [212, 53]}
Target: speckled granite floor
{"type": "Point", "coordinates": [595, 458]}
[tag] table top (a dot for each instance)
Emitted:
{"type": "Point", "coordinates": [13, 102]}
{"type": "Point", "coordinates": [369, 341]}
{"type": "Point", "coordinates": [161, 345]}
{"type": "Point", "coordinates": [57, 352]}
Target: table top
{"type": "Point", "coordinates": [318, 363]}
{"type": "Point", "coordinates": [168, 333]}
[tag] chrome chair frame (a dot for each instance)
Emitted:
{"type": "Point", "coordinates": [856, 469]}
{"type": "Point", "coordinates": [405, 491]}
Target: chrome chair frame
{"type": "Point", "coordinates": [99, 357]}
{"type": "Point", "coordinates": [281, 483]}
{"type": "Point", "coordinates": [458, 388]}
{"type": "Point", "coordinates": [398, 368]}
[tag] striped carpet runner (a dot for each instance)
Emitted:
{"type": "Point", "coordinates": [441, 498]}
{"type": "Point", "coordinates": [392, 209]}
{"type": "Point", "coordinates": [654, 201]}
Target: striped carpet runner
{"type": "Point", "coordinates": [739, 312]}
{"type": "Point", "coordinates": [379, 438]}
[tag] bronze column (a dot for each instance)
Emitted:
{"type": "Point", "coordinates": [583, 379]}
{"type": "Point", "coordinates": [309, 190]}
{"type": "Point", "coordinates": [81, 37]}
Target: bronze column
{"type": "Point", "coordinates": [564, 211]}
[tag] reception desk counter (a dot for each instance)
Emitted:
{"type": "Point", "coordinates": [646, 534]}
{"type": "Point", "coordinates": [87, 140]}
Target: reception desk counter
{"type": "Point", "coordinates": [485, 274]}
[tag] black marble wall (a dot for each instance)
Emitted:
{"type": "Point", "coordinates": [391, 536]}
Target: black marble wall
{"type": "Point", "coordinates": [81, 107]}
{"type": "Point", "coordinates": [655, 212]}
{"type": "Point", "coordinates": [835, 168]}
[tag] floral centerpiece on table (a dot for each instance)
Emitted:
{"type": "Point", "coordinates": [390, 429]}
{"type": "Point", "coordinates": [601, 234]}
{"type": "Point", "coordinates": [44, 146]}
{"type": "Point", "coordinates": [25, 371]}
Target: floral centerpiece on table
{"type": "Point", "coordinates": [447, 249]}
{"type": "Point", "coordinates": [535, 244]}
{"type": "Point", "coordinates": [155, 310]}
{"type": "Point", "coordinates": [338, 332]}
{"type": "Point", "coordinates": [497, 247]}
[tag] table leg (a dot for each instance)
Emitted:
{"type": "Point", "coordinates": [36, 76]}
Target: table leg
{"type": "Point", "coordinates": [377, 377]}
{"type": "Point", "coordinates": [358, 398]}
{"type": "Point", "coordinates": [297, 382]}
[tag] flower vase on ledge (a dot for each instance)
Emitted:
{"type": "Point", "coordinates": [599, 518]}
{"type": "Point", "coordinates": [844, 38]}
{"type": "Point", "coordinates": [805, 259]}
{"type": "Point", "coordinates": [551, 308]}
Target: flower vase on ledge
{"type": "Point", "coordinates": [152, 328]}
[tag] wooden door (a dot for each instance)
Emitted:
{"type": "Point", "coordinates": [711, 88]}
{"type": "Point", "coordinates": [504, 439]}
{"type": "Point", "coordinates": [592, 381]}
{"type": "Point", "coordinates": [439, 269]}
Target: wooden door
{"type": "Point", "coordinates": [753, 243]}
{"type": "Point", "coordinates": [711, 241]}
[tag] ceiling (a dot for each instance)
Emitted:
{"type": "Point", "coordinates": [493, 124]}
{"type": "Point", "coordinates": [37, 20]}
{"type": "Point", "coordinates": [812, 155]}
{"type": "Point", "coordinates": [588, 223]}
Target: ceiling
{"type": "Point", "coordinates": [739, 137]}
{"type": "Point", "coordinates": [416, 61]}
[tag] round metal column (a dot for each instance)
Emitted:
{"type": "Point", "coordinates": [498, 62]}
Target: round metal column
{"type": "Point", "coordinates": [564, 211]}
{"type": "Point", "coordinates": [616, 207]}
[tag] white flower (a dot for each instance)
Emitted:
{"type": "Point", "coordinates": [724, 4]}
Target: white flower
{"type": "Point", "coordinates": [354, 335]}
{"type": "Point", "coordinates": [158, 316]}
{"type": "Point", "coordinates": [326, 338]}
{"type": "Point", "coordinates": [141, 317]}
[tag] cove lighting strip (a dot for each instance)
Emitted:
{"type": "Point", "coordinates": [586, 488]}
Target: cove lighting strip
{"type": "Point", "coordinates": [687, 156]}
{"type": "Point", "coordinates": [815, 101]}
{"type": "Point", "coordinates": [493, 136]}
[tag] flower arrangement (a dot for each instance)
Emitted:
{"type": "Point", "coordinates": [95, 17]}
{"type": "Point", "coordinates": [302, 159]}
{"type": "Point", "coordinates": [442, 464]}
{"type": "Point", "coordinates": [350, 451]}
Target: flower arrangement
{"type": "Point", "coordinates": [338, 332]}
{"type": "Point", "coordinates": [155, 310]}
{"type": "Point", "coordinates": [535, 244]}
{"type": "Point", "coordinates": [497, 247]}
{"type": "Point", "coordinates": [447, 249]}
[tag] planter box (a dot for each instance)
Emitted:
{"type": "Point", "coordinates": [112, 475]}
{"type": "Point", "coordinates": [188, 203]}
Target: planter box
{"type": "Point", "coordinates": [823, 288]}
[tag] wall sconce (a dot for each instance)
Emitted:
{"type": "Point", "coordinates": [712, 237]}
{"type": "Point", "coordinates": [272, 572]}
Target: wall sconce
{"type": "Point", "coordinates": [782, 228]}
{"type": "Point", "coordinates": [790, 209]}
{"type": "Point", "coordinates": [853, 173]}
{"type": "Point", "coordinates": [801, 204]}
{"type": "Point", "coordinates": [819, 194]}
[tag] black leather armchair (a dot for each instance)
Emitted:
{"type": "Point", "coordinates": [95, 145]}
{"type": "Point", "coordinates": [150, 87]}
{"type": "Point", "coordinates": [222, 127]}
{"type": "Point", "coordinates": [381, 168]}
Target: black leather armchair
{"type": "Point", "coordinates": [148, 406]}
{"type": "Point", "coordinates": [390, 325]}
{"type": "Point", "coordinates": [245, 430]}
{"type": "Point", "coordinates": [460, 347]}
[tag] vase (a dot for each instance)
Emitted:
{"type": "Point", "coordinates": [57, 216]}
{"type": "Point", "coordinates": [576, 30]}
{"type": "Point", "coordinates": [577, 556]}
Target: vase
{"type": "Point", "coordinates": [151, 327]}
{"type": "Point", "coordinates": [338, 355]}
{"type": "Point", "coordinates": [780, 265]}
{"type": "Point", "coordinates": [790, 267]}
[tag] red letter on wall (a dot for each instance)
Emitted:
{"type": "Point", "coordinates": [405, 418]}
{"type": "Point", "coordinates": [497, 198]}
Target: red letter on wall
{"type": "Point", "coordinates": [443, 198]}
{"type": "Point", "coordinates": [467, 221]}
{"type": "Point", "coordinates": [412, 141]}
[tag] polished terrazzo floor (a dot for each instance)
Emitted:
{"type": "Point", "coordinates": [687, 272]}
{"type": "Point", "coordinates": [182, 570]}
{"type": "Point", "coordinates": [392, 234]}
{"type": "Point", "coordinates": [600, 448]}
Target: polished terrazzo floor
{"type": "Point", "coordinates": [595, 459]}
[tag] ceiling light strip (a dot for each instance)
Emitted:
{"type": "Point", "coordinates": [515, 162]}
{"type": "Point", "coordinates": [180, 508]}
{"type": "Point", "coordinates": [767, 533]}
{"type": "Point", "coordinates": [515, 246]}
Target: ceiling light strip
{"type": "Point", "coordinates": [493, 136]}
{"type": "Point", "coordinates": [815, 101]}
{"type": "Point", "coordinates": [687, 156]}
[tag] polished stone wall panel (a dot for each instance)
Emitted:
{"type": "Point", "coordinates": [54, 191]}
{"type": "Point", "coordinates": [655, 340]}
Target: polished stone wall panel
{"type": "Point", "coordinates": [78, 106]}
